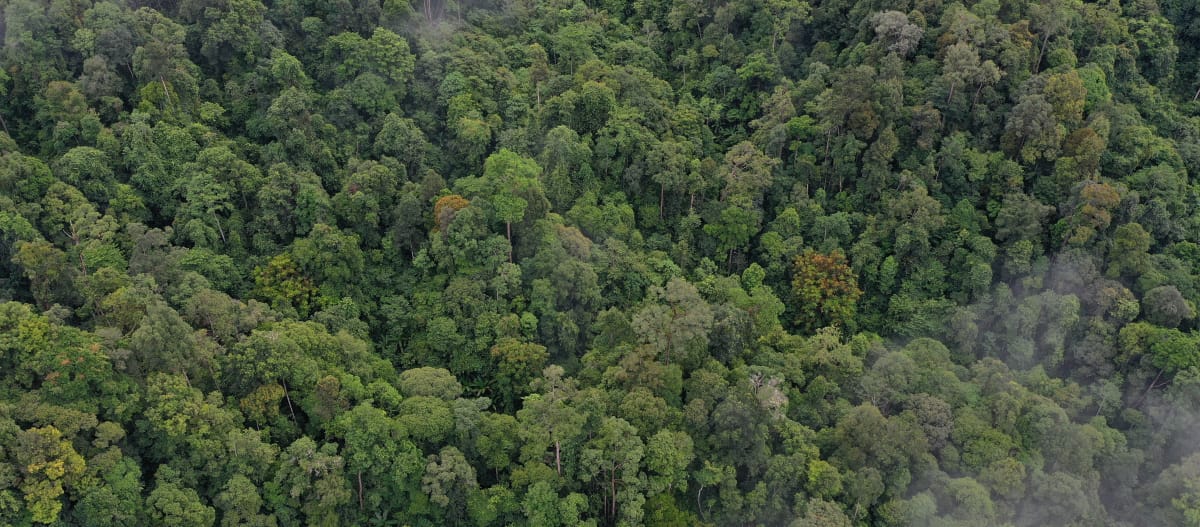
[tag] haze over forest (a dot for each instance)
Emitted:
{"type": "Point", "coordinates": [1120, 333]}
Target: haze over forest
{"type": "Point", "coordinates": [663, 263]}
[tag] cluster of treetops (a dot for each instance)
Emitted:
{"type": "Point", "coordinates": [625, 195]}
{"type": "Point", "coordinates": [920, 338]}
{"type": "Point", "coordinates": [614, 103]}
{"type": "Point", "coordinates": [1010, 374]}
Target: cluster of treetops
{"type": "Point", "coordinates": [556, 263]}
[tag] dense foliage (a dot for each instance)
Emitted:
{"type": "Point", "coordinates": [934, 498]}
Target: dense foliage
{"type": "Point", "coordinates": [663, 263]}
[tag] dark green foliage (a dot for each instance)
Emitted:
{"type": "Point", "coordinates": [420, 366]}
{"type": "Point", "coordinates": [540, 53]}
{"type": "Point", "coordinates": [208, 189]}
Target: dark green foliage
{"type": "Point", "coordinates": [762, 262]}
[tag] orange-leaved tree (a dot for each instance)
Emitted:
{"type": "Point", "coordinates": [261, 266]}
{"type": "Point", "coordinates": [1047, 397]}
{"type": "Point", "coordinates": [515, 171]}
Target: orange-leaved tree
{"type": "Point", "coordinates": [825, 289]}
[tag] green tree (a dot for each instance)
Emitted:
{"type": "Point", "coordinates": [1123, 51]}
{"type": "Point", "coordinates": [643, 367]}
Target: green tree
{"type": "Point", "coordinates": [821, 513]}
{"type": "Point", "coordinates": [204, 219]}
{"type": "Point", "coordinates": [548, 420]}
{"type": "Point", "coordinates": [431, 382]}
{"type": "Point", "coordinates": [519, 363]}
{"type": "Point", "coordinates": [613, 458]}
{"type": "Point", "coordinates": [49, 465]}
{"type": "Point", "coordinates": [1032, 131]}
{"type": "Point", "coordinates": [117, 502]}
{"type": "Point", "coordinates": [450, 480]}
{"type": "Point", "coordinates": [241, 503]}
{"type": "Point", "coordinates": [668, 455]}
{"type": "Point", "coordinates": [164, 342]}
{"type": "Point", "coordinates": [1165, 306]}
{"type": "Point", "coordinates": [332, 257]}
{"type": "Point", "coordinates": [733, 229]}
{"type": "Point", "coordinates": [675, 318]}
{"type": "Point", "coordinates": [282, 285]}
{"type": "Point", "coordinates": [47, 269]}
{"type": "Point", "coordinates": [310, 484]}
{"type": "Point", "coordinates": [173, 503]}
{"type": "Point", "coordinates": [507, 179]}
{"type": "Point", "coordinates": [568, 166]}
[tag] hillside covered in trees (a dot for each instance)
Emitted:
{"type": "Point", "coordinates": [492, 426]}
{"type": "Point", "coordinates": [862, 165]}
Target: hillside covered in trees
{"type": "Point", "coordinates": [831, 263]}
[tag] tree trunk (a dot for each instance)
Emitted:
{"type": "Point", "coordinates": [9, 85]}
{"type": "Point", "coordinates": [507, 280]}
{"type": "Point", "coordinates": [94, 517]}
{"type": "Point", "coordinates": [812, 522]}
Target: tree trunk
{"type": "Point", "coordinates": [1038, 63]}
{"type": "Point", "coordinates": [289, 401]}
{"type": "Point", "coordinates": [558, 458]}
{"type": "Point", "coordinates": [1148, 390]}
{"type": "Point", "coordinates": [662, 193]}
{"type": "Point", "coordinates": [604, 500]}
{"type": "Point", "coordinates": [166, 91]}
{"type": "Point", "coordinates": [508, 228]}
{"type": "Point", "coordinates": [360, 489]}
{"type": "Point", "coordinates": [612, 474]}
{"type": "Point", "coordinates": [220, 230]}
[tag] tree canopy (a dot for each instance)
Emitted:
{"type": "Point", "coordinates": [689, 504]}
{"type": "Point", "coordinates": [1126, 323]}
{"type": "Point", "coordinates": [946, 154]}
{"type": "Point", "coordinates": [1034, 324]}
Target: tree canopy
{"type": "Point", "coordinates": [599, 263]}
